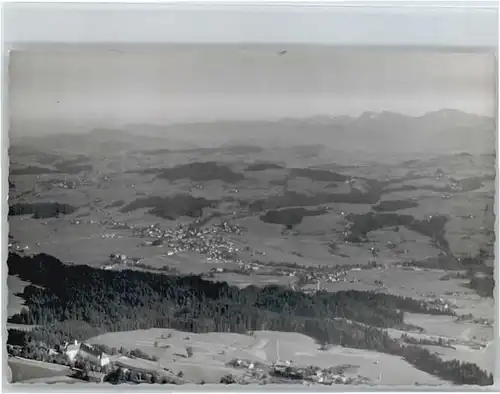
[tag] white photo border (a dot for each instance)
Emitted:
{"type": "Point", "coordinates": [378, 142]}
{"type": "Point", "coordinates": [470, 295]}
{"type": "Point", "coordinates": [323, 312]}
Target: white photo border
{"type": "Point", "coordinates": [431, 25]}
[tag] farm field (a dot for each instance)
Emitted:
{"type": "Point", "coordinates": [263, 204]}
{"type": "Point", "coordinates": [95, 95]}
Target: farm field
{"type": "Point", "coordinates": [212, 351]}
{"type": "Point", "coordinates": [286, 224]}
{"type": "Point", "coordinates": [26, 370]}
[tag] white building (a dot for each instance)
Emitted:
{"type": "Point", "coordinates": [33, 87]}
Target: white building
{"type": "Point", "coordinates": [86, 352]}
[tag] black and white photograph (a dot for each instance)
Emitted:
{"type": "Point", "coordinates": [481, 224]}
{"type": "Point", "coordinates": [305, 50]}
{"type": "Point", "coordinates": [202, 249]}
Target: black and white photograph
{"type": "Point", "coordinates": [251, 215]}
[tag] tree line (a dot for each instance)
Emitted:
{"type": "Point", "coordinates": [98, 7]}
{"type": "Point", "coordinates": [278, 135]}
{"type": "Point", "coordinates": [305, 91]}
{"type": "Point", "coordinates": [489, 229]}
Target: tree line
{"type": "Point", "coordinates": [41, 210]}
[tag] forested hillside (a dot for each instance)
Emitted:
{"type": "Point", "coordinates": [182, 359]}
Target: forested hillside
{"type": "Point", "coordinates": [82, 301]}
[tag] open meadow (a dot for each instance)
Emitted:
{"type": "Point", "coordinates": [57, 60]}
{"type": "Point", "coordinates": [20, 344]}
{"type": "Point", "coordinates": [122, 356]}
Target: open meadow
{"type": "Point", "coordinates": [209, 355]}
{"type": "Point", "coordinates": [250, 233]}
{"type": "Point", "coordinates": [24, 370]}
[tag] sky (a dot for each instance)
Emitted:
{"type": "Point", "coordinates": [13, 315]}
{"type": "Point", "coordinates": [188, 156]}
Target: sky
{"type": "Point", "coordinates": [186, 84]}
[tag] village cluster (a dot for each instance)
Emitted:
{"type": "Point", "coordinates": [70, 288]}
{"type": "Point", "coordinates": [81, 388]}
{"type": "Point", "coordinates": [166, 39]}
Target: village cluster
{"type": "Point", "coordinates": [211, 242]}
{"type": "Point", "coordinates": [288, 371]}
{"type": "Point", "coordinates": [88, 362]}
{"type": "Point", "coordinates": [208, 241]}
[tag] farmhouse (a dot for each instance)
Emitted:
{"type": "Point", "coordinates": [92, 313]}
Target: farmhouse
{"type": "Point", "coordinates": [86, 352]}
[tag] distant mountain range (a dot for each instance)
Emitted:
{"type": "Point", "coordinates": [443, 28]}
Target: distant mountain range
{"type": "Point", "coordinates": [441, 131]}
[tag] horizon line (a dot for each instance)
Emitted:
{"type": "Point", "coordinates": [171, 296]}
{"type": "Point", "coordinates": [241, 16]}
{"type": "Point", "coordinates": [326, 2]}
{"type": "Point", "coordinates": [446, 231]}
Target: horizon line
{"type": "Point", "coordinates": [124, 126]}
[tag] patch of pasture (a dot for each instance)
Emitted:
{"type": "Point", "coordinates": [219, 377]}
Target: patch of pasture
{"type": "Point", "coordinates": [24, 369]}
{"type": "Point", "coordinates": [211, 351]}
{"type": "Point", "coordinates": [446, 326]}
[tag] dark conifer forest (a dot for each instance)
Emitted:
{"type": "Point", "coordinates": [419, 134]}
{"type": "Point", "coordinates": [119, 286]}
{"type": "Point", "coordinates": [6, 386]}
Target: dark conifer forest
{"type": "Point", "coordinates": [77, 301]}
